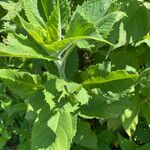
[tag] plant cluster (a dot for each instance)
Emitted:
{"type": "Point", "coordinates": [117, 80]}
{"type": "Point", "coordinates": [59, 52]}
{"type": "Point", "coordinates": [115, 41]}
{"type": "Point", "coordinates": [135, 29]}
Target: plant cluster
{"type": "Point", "coordinates": [74, 75]}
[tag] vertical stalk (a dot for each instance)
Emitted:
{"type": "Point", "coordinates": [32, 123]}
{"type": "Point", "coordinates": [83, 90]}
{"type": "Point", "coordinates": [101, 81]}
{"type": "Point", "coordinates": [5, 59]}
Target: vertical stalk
{"type": "Point", "coordinates": [61, 69]}
{"type": "Point", "coordinates": [61, 63]}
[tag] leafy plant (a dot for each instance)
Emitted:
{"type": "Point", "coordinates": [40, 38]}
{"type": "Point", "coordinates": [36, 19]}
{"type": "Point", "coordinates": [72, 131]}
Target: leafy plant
{"type": "Point", "coordinates": [74, 76]}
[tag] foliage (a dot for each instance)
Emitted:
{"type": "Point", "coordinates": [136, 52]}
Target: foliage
{"type": "Point", "coordinates": [74, 74]}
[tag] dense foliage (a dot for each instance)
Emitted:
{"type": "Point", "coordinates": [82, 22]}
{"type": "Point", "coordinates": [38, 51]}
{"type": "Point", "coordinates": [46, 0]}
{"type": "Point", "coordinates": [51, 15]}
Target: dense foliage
{"type": "Point", "coordinates": [74, 75]}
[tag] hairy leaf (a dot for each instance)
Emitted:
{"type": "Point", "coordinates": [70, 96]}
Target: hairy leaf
{"type": "Point", "coordinates": [21, 46]}
{"type": "Point", "coordinates": [12, 8]}
{"type": "Point", "coordinates": [32, 12]}
{"type": "Point", "coordinates": [22, 83]}
{"type": "Point", "coordinates": [55, 133]}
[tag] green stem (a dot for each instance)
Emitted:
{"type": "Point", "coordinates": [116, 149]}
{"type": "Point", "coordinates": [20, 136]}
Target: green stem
{"type": "Point", "coordinates": [61, 64]}
{"type": "Point", "coordinates": [61, 69]}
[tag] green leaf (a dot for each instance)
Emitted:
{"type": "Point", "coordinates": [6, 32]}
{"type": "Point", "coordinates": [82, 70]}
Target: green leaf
{"type": "Point", "coordinates": [32, 12]}
{"type": "Point", "coordinates": [82, 96]}
{"type": "Point", "coordinates": [67, 42]}
{"type": "Point", "coordinates": [85, 136]}
{"type": "Point", "coordinates": [129, 117]}
{"type": "Point", "coordinates": [105, 105]}
{"type": "Point", "coordinates": [105, 138]}
{"type": "Point", "coordinates": [37, 32]}
{"type": "Point", "coordinates": [134, 27]}
{"type": "Point", "coordinates": [96, 70]}
{"type": "Point", "coordinates": [36, 101]}
{"type": "Point", "coordinates": [65, 95]}
{"type": "Point", "coordinates": [4, 135]}
{"type": "Point", "coordinates": [21, 46]}
{"type": "Point", "coordinates": [12, 51]}
{"type": "Point", "coordinates": [48, 7]}
{"type": "Point", "coordinates": [77, 147]}
{"type": "Point", "coordinates": [12, 8]}
{"type": "Point", "coordinates": [144, 147]}
{"type": "Point", "coordinates": [17, 108]}
{"type": "Point", "coordinates": [65, 12]}
{"type": "Point", "coordinates": [25, 145]}
{"type": "Point", "coordinates": [93, 10]}
{"type": "Point", "coordinates": [79, 29]}
{"type": "Point", "coordinates": [146, 111]}
{"type": "Point", "coordinates": [79, 26]}
{"type": "Point", "coordinates": [3, 141]}
{"type": "Point", "coordinates": [142, 133]}
{"type": "Point", "coordinates": [116, 80]}
{"type": "Point", "coordinates": [71, 64]}
{"type": "Point", "coordinates": [22, 83]}
{"type": "Point", "coordinates": [147, 40]}
{"type": "Point", "coordinates": [54, 24]}
{"type": "Point", "coordinates": [144, 81]}
{"type": "Point", "coordinates": [105, 25]}
{"type": "Point", "coordinates": [126, 144]}
{"type": "Point", "coordinates": [128, 56]}
{"type": "Point", "coordinates": [55, 133]}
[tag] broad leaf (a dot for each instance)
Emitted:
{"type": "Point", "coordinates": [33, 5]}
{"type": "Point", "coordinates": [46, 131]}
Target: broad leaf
{"type": "Point", "coordinates": [144, 147]}
{"type": "Point", "coordinates": [146, 111]}
{"type": "Point", "coordinates": [126, 144]}
{"type": "Point", "coordinates": [22, 83]}
{"type": "Point", "coordinates": [55, 133]}
{"type": "Point", "coordinates": [65, 130]}
{"type": "Point", "coordinates": [93, 10]}
{"type": "Point", "coordinates": [105, 138]}
{"type": "Point", "coordinates": [129, 117]}
{"type": "Point", "coordinates": [21, 46]}
{"type": "Point", "coordinates": [115, 80]}
{"type": "Point", "coordinates": [106, 106]}
{"type": "Point", "coordinates": [85, 136]}
{"type": "Point", "coordinates": [105, 25]}
{"type": "Point", "coordinates": [144, 81]}
{"type": "Point", "coordinates": [134, 27]}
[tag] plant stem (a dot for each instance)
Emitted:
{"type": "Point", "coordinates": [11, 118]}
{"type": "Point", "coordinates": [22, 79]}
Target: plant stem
{"type": "Point", "coordinates": [61, 69]}
{"type": "Point", "coordinates": [61, 64]}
